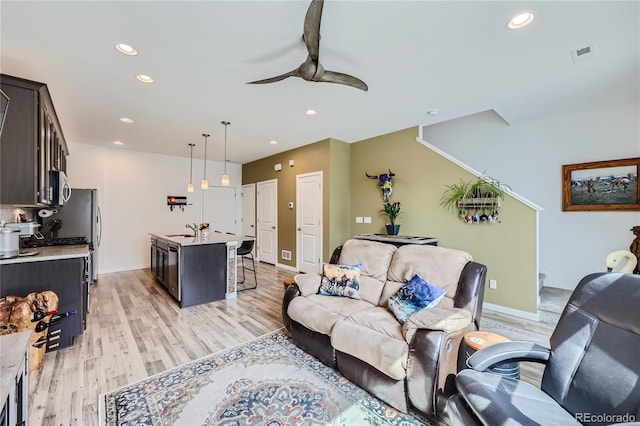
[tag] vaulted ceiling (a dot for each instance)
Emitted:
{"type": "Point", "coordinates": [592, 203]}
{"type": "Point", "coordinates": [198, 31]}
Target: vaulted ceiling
{"type": "Point", "coordinates": [455, 57]}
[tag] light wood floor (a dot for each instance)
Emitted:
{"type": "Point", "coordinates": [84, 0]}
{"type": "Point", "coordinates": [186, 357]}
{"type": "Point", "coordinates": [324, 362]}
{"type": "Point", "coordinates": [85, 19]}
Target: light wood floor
{"type": "Point", "coordinates": [135, 329]}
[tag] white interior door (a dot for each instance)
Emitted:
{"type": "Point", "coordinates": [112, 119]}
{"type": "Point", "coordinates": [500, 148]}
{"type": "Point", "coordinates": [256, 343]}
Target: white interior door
{"type": "Point", "coordinates": [267, 219]}
{"type": "Point", "coordinates": [309, 222]}
{"type": "Point", "coordinates": [220, 208]}
{"type": "Point", "coordinates": [249, 209]}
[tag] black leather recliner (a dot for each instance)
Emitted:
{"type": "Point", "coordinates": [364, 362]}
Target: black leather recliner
{"type": "Point", "coordinates": [592, 372]}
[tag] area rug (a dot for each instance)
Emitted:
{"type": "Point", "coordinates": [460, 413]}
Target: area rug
{"type": "Point", "coordinates": [267, 381]}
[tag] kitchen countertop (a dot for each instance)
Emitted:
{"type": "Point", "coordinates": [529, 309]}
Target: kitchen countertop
{"type": "Point", "coordinates": [49, 253]}
{"type": "Point", "coordinates": [12, 350]}
{"type": "Point", "coordinates": [212, 238]}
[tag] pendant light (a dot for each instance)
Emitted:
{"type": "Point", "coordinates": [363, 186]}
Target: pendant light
{"type": "Point", "coordinates": [204, 183]}
{"type": "Point", "coordinates": [224, 181]}
{"type": "Point", "coordinates": [190, 186]}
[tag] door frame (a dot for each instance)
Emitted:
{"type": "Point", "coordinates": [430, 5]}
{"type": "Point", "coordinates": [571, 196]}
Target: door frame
{"type": "Point", "coordinates": [320, 175]}
{"type": "Point", "coordinates": [251, 187]}
{"type": "Point", "coordinates": [259, 222]}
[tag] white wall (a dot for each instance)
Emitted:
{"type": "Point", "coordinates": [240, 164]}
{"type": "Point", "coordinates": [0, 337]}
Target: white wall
{"type": "Point", "coordinates": [132, 192]}
{"type": "Point", "coordinates": [529, 157]}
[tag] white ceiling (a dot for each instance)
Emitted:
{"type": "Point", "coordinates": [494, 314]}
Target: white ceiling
{"type": "Point", "coordinates": [453, 56]}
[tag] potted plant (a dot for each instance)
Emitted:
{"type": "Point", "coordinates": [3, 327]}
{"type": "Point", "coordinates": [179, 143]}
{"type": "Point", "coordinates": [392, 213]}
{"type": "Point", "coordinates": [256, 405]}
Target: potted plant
{"type": "Point", "coordinates": [455, 192]}
{"type": "Point", "coordinates": [488, 187]}
{"type": "Point", "coordinates": [392, 210]}
{"type": "Point", "coordinates": [482, 198]}
{"type": "Point", "coordinates": [204, 229]}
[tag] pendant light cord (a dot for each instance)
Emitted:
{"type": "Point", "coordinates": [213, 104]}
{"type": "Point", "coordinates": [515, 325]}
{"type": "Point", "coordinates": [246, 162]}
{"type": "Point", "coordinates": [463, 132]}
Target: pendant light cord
{"type": "Point", "coordinates": [205, 154]}
{"type": "Point", "coordinates": [191, 166]}
{"type": "Point", "coordinates": [225, 149]}
{"type": "Point", "coordinates": [225, 123]}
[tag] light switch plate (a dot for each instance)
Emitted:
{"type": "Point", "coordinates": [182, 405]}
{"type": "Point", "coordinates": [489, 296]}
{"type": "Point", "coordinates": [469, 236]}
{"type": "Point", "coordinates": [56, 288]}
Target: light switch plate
{"type": "Point", "coordinates": [367, 219]}
{"type": "Point", "coordinates": [359, 219]}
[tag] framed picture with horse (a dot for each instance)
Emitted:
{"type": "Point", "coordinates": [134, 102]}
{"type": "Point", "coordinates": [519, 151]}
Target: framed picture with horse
{"type": "Point", "coordinates": [601, 185]}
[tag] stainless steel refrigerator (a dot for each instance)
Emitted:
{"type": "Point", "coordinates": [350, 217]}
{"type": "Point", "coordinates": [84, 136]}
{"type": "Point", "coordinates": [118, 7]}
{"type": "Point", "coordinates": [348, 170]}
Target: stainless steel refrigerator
{"type": "Point", "coordinates": [81, 216]}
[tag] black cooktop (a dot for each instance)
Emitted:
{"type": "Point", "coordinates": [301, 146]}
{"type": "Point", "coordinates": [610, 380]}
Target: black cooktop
{"type": "Point", "coordinates": [47, 242]}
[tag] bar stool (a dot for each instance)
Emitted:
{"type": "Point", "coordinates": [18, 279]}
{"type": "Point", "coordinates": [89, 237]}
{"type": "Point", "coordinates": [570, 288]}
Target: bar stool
{"type": "Point", "coordinates": [245, 250]}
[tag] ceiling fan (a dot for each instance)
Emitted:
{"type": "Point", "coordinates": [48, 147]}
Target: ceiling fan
{"type": "Point", "coordinates": [311, 69]}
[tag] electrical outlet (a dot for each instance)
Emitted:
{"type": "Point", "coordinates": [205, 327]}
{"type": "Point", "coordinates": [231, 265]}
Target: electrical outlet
{"type": "Point", "coordinates": [493, 284]}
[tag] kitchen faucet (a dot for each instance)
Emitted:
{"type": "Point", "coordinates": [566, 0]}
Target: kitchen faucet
{"type": "Point", "coordinates": [194, 228]}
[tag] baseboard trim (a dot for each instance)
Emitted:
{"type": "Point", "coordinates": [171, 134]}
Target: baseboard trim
{"type": "Point", "coordinates": [510, 311]}
{"type": "Point", "coordinates": [287, 267]}
{"type": "Point", "coordinates": [122, 269]}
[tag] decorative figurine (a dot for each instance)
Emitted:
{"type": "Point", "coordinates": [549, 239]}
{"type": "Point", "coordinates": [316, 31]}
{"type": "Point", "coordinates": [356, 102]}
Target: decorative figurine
{"type": "Point", "coordinates": [385, 183]}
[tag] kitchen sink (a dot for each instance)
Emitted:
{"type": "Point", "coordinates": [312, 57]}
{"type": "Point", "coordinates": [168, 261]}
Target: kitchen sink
{"type": "Point", "coordinates": [180, 235]}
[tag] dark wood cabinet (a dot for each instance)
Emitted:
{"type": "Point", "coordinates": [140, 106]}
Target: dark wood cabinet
{"type": "Point", "coordinates": [154, 257]}
{"type": "Point", "coordinates": [65, 277]}
{"type": "Point", "coordinates": [192, 274]}
{"type": "Point", "coordinates": [203, 270]}
{"type": "Point", "coordinates": [31, 145]}
{"type": "Point", "coordinates": [159, 259]}
{"type": "Point", "coordinates": [164, 265]}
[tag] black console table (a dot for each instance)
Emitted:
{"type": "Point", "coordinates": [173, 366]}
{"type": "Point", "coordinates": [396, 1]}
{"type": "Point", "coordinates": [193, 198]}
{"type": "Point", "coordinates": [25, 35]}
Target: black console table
{"type": "Point", "coordinates": [398, 240]}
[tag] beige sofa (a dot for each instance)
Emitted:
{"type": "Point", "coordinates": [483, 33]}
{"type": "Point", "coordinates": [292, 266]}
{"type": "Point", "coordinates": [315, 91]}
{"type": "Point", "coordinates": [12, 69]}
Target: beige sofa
{"type": "Point", "coordinates": [406, 364]}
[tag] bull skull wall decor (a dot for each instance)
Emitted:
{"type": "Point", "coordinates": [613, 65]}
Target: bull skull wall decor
{"type": "Point", "coordinates": [385, 183]}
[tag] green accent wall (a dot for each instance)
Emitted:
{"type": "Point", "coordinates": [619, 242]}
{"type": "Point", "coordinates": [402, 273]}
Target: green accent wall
{"type": "Point", "coordinates": [330, 156]}
{"type": "Point", "coordinates": [339, 196]}
{"type": "Point", "coordinates": [508, 248]}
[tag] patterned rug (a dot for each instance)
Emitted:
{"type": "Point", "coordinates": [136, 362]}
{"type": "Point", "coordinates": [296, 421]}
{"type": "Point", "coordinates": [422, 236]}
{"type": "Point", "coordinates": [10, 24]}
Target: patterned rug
{"type": "Point", "coordinates": [267, 381]}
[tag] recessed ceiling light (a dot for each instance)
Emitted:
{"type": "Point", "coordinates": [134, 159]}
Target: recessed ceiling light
{"type": "Point", "coordinates": [126, 120]}
{"type": "Point", "coordinates": [126, 49]}
{"type": "Point", "coordinates": [144, 78]}
{"type": "Point", "coordinates": [273, 142]}
{"type": "Point", "coordinates": [521, 20]}
{"type": "Point", "coordinates": [311, 112]}
{"type": "Point", "coordinates": [118, 143]}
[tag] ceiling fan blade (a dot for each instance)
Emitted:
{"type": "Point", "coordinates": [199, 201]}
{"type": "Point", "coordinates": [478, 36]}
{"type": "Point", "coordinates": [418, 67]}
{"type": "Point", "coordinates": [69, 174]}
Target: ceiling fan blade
{"type": "Point", "coordinates": [294, 73]}
{"type": "Point", "coordinates": [311, 35]}
{"type": "Point", "coordinates": [340, 78]}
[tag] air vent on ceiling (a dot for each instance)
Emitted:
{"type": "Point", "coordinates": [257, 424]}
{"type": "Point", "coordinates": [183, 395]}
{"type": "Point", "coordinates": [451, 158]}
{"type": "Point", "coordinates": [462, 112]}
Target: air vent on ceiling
{"type": "Point", "coordinates": [584, 53]}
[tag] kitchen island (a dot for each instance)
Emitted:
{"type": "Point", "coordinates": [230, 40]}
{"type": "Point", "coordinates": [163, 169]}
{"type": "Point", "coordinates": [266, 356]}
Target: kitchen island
{"type": "Point", "coordinates": [196, 270]}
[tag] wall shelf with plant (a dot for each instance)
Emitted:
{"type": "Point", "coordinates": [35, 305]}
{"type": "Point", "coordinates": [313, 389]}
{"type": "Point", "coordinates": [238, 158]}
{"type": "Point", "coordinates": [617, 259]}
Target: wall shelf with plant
{"type": "Point", "coordinates": [475, 202]}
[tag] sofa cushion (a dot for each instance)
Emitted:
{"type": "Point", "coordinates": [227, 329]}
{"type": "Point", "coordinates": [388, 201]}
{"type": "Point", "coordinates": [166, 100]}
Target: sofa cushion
{"type": "Point", "coordinates": [375, 337]}
{"type": "Point", "coordinates": [392, 287]}
{"type": "Point", "coordinates": [413, 296]}
{"type": "Point", "coordinates": [443, 319]}
{"type": "Point", "coordinates": [438, 265]}
{"type": "Point", "coordinates": [319, 313]}
{"type": "Point", "coordinates": [375, 258]}
{"type": "Point", "coordinates": [341, 280]}
{"type": "Point", "coordinates": [308, 283]}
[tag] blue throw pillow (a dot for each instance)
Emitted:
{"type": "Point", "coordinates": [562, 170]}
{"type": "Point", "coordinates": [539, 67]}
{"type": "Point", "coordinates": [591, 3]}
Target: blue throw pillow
{"type": "Point", "coordinates": [413, 296]}
{"type": "Point", "coordinates": [341, 280]}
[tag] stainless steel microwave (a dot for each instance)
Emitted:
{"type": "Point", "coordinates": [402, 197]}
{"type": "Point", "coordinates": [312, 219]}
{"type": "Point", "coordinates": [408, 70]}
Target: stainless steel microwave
{"type": "Point", "coordinates": [60, 189]}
